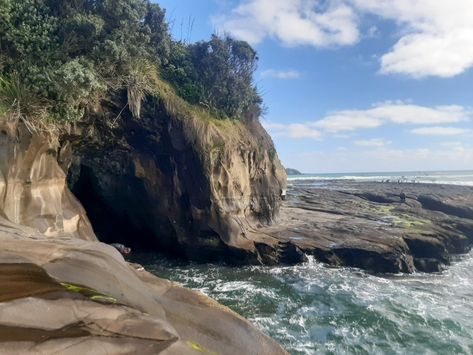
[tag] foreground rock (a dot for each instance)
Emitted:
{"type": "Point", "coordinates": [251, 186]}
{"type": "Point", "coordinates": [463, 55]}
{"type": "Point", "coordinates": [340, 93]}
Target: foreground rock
{"type": "Point", "coordinates": [367, 225]}
{"type": "Point", "coordinates": [64, 292]}
{"type": "Point", "coordinates": [70, 296]}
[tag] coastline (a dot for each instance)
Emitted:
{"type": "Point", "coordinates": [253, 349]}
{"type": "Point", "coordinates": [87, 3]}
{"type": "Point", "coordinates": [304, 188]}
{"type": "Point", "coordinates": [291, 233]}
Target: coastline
{"type": "Point", "coordinates": [367, 225]}
{"type": "Point", "coordinates": [453, 177]}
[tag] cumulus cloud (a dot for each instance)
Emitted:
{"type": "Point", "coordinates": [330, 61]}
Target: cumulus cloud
{"type": "Point", "coordinates": [339, 123]}
{"type": "Point", "coordinates": [374, 142]}
{"type": "Point", "coordinates": [280, 74]}
{"type": "Point", "coordinates": [292, 22]}
{"type": "Point", "coordinates": [439, 131]}
{"type": "Point", "coordinates": [399, 113]}
{"type": "Point", "coordinates": [294, 131]}
{"type": "Point", "coordinates": [436, 37]}
{"type": "Point", "coordinates": [347, 121]}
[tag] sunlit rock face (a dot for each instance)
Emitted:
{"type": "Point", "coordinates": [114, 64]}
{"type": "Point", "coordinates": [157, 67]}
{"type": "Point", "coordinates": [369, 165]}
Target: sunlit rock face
{"type": "Point", "coordinates": [72, 296]}
{"type": "Point", "coordinates": [63, 291]}
{"type": "Point", "coordinates": [183, 185]}
{"type": "Point", "coordinates": [33, 190]}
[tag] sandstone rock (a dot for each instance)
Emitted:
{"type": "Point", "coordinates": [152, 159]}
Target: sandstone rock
{"type": "Point", "coordinates": [62, 291]}
{"type": "Point", "coordinates": [33, 190]}
{"type": "Point", "coordinates": [71, 296]}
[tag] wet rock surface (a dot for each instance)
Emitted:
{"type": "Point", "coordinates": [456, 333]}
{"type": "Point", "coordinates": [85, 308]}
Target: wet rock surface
{"type": "Point", "coordinates": [368, 225]}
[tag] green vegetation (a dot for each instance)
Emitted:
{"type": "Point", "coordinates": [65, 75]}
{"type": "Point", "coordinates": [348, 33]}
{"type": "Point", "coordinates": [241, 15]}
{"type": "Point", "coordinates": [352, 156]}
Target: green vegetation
{"type": "Point", "coordinates": [88, 292]}
{"type": "Point", "coordinates": [398, 219]}
{"type": "Point", "coordinates": [60, 59]}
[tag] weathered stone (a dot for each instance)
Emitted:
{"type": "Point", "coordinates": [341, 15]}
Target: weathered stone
{"type": "Point", "coordinates": [33, 190]}
{"type": "Point", "coordinates": [62, 291]}
{"type": "Point", "coordinates": [70, 296]}
{"type": "Point", "coordinates": [367, 225]}
{"type": "Point", "coordinates": [182, 185]}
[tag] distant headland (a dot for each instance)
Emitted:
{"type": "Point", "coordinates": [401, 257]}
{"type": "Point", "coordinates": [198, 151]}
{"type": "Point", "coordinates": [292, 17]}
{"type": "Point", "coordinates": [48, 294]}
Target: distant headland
{"type": "Point", "coordinates": [290, 171]}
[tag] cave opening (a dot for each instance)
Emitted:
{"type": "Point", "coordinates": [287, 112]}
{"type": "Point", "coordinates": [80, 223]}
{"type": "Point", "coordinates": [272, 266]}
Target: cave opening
{"type": "Point", "coordinates": [109, 214]}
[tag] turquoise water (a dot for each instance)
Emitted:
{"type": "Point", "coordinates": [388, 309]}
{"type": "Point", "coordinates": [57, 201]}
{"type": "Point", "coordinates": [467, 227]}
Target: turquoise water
{"type": "Point", "coordinates": [314, 309]}
{"type": "Point", "coordinates": [436, 177]}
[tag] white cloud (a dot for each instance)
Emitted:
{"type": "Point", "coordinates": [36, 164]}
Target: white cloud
{"type": "Point", "coordinates": [294, 131]}
{"type": "Point", "coordinates": [372, 32]}
{"type": "Point", "coordinates": [347, 121]}
{"type": "Point", "coordinates": [399, 113]}
{"type": "Point", "coordinates": [292, 22]}
{"type": "Point", "coordinates": [439, 131]}
{"type": "Point", "coordinates": [278, 74]}
{"type": "Point", "coordinates": [375, 142]}
{"type": "Point", "coordinates": [452, 144]}
{"type": "Point", "coordinates": [339, 123]}
{"type": "Point", "coordinates": [437, 37]}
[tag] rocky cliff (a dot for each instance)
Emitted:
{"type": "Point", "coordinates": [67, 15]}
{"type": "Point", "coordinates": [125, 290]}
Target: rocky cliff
{"type": "Point", "coordinates": [177, 182]}
{"type": "Point", "coordinates": [62, 291]}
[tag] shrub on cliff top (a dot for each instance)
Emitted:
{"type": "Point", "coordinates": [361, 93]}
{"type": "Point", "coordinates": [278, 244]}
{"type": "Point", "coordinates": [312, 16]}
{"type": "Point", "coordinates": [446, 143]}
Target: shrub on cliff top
{"type": "Point", "coordinates": [69, 55]}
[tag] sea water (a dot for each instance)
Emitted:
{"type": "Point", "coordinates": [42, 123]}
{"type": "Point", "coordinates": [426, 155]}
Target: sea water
{"type": "Point", "coordinates": [315, 309]}
{"type": "Point", "coordinates": [464, 178]}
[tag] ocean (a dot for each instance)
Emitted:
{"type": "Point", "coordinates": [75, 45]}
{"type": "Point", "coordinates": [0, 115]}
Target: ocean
{"type": "Point", "coordinates": [312, 308]}
{"type": "Point", "coordinates": [315, 309]}
{"type": "Point", "coordinates": [464, 177]}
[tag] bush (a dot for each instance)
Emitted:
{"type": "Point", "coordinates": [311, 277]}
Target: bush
{"type": "Point", "coordinates": [68, 55]}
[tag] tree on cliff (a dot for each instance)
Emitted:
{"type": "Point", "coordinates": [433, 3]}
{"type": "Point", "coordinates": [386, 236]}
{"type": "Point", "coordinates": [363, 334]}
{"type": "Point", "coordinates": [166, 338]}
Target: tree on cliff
{"type": "Point", "coordinates": [69, 55]}
{"type": "Point", "coordinates": [216, 73]}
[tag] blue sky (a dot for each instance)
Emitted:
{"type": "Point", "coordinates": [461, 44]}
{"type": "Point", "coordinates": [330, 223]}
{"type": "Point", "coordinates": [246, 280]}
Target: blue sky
{"type": "Point", "coordinates": [354, 85]}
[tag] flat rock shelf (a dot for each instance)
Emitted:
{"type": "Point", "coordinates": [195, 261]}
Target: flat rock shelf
{"type": "Point", "coordinates": [378, 227]}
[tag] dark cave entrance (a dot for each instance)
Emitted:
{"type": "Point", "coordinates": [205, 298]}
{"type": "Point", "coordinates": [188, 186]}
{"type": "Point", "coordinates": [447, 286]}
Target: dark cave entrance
{"type": "Point", "coordinates": [111, 218]}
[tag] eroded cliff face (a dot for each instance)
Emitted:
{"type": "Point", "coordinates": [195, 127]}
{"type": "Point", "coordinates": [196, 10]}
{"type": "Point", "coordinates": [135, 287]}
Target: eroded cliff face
{"type": "Point", "coordinates": [33, 189]}
{"type": "Point", "coordinates": [63, 291]}
{"type": "Point", "coordinates": [182, 185]}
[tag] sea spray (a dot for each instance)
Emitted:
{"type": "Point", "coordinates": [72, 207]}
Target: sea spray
{"type": "Point", "coordinates": [311, 308]}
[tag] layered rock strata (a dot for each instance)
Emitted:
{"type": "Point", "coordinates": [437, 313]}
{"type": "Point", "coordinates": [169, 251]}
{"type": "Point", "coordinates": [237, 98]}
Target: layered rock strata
{"type": "Point", "coordinates": [63, 291]}
{"type": "Point", "coordinates": [369, 226]}
{"type": "Point", "coordinates": [69, 296]}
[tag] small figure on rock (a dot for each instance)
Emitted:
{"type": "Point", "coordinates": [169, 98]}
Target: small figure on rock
{"type": "Point", "coordinates": [402, 195]}
{"type": "Point", "coordinates": [121, 248]}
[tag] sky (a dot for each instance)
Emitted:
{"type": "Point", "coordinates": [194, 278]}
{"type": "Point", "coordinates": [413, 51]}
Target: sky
{"type": "Point", "coordinates": [354, 85]}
